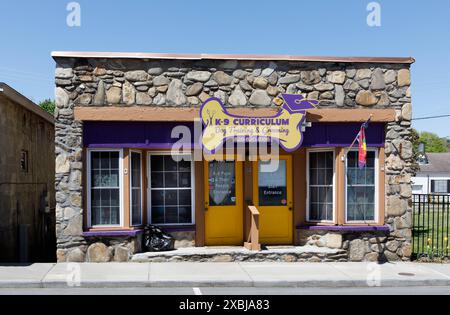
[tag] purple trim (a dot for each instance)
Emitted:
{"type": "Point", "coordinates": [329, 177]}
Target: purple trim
{"type": "Point", "coordinates": [157, 135]}
{"type": "Point", "coordinates": [112, 233]}
{"type": "Point", "coordinates": [371, 145]}
{"type": "Point", "coordinates": [164, 146]}
{"type": "Point", "coordinates": [342, 134]}
{"type": "Point", "coordinates": [146, 135]}
{"type": "Point", "coordinates": [344, 228]}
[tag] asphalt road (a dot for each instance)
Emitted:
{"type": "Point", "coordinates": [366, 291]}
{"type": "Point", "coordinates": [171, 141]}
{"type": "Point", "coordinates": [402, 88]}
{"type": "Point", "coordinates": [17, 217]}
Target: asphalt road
{"type": "Point", "coordinates": [238, 291]}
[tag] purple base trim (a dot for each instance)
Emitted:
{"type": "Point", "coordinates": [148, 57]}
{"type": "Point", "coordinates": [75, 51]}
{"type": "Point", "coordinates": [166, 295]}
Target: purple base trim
{"type": "Point", "coordinates": [112, 233]}
{"type": "Point", "coordinates": [344, 228]}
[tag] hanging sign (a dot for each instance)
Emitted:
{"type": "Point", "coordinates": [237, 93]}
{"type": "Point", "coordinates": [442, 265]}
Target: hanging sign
{"type": "Point", "coordinates": [285, 126]}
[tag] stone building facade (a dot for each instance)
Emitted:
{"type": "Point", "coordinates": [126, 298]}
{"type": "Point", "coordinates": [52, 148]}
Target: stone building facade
{"type": "Point", "coordinates": [95, 88]}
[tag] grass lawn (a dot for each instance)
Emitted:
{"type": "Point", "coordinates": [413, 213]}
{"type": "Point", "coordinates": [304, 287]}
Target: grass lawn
{"type": "Point", "coordinates": [431, 229]}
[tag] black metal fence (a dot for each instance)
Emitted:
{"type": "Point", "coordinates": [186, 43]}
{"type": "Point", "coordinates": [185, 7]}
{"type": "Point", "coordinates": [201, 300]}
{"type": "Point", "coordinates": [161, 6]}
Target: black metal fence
{"type": "Point", "coordinates": [431, 220]}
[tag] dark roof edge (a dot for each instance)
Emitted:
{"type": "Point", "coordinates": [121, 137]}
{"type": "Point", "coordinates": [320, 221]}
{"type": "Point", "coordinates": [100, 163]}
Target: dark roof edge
{"type": "Point", "coordinates": [123, 55]}
{"type": "Point", "coordinates": [20, 99]}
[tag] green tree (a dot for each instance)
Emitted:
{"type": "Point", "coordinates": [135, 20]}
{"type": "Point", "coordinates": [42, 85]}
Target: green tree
{"type": "Point", "coordinates": [48, 105]}
{"type": "Point", "coordinates": [433, 143]}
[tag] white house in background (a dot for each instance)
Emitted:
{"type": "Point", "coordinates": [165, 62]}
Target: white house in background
{"type": "Point", "coordinates": [434, 176]}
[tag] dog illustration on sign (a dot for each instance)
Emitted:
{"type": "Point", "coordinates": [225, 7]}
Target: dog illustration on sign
{"type": "Point", "coordinates": [285, 126]}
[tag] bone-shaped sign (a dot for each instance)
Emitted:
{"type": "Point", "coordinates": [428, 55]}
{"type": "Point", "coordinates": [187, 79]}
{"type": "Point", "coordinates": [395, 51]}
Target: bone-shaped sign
{"type": "Point", "coordinates": [285, 126]}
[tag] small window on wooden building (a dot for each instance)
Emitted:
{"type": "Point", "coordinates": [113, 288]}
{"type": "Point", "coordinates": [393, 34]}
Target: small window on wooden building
{"type": "Point", "coordinates": [24, 161]}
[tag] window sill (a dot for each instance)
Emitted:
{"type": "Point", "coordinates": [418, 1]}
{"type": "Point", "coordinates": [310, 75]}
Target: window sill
{"type": "Point", "coordinates": [105, 233]}
{"type": "Point", "coordinates": [360, 228]}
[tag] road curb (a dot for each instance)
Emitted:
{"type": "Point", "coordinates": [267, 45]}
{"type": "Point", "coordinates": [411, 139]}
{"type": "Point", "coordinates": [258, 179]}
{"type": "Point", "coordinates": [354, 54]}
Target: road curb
{"type": "Point", "coordinates": [257, 284]}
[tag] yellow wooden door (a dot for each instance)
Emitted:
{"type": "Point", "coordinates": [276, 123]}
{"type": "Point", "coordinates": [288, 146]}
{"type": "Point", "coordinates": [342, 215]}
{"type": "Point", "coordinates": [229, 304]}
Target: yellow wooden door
{"type": "Point", "coordinates": [223, 203]}
{"type": "Point", "coordinates": [272, 195]}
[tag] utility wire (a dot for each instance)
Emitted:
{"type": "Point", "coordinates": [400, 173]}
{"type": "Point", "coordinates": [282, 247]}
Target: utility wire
{"type": "Point", "coordinates": [430, 117]}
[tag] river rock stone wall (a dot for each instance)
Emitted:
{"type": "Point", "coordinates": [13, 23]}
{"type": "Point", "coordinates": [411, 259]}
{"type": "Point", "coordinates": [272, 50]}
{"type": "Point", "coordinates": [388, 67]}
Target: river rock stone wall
{"type": "Point", "coordinates": [243, 83]}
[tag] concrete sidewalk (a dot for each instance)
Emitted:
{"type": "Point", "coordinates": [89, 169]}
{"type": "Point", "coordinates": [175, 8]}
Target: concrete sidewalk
{"type": "Point", "coordinates": [224, 275]}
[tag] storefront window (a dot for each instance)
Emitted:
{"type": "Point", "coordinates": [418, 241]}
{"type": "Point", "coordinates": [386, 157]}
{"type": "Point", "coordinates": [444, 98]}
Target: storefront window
{"type": "Point", "coordinates": [171, 190]}
{"type": "Point", "coordinates": [320, 186]}
{"type": "Point", "coordinates": [360, 188]}
{"type": "Point", "coordinates": [136, 188]}
{"type": "Point", "coordinates": [272, 185]}
{"type": "Point", "coordinates": [104, 179]}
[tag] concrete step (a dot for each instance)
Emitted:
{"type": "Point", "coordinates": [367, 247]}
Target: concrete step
{"type": "Point", "coordinates": [238, 253]}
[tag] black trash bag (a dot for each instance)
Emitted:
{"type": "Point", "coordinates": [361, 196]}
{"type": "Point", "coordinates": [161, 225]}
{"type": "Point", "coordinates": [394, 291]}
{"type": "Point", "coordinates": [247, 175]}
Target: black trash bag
{"type": "Point", "coordinates": [155, 240]}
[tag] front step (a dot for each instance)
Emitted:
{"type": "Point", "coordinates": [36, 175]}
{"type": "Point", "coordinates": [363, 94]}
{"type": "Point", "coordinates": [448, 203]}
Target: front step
{"type": "Point", "coordinates": [237, 253]}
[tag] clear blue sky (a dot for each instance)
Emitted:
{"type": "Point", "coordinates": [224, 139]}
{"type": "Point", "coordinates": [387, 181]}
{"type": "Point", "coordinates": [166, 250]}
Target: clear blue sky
{"type": "Point", "coordinates": [32, 29]}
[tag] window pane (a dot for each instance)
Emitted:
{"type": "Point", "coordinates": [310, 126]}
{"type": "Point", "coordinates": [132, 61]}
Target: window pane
{"type": "Point", "coordinates": [114, 160]}
{"type": "Point", "coordinates": [314, 194]}
{"type": "Point", "coordinates": [157, 180]}
{"type": "Point", "coordinates": [135, 169]}
{"type": "Point", "coordinates": [158, 215]}
{"type": "Point", "coordinates": [105, 215]}
{"type": "Point", "coordinates": [96, 179]}
{"type": "Point", "coordinates": [115, 215]}
{"type": "Point", "coordinates": [136, 194]}
{"type": "Point", "coordinates": [136, 206]}
{"type": "Point", "coordinates": [95, 215]}
{"type": "Point", "coordinates": [321, 177]}
{"type": "Point", "coordinates": [322, 211]}
{"type": "Point", "coordinates": [104, 160]}
{"type": "Point", "coordinates": [329, 160]}
{"type": "Point", "coordinates": [314, 174]}
{"type": "Point", "coordinates": [313, 214]}
{"type": "Point", "coordinates": [157, 163]}
{"type": "Point", "coordinates": [171, 198]}
{"type": "Point", "coordinates": [184, 166]}
{"type": "Point", "coordinates": [105, 192]}
{"type": "Point", "coordinates": [171, 180]}
{"type": "Point", "coordinates": [313, 160]}
{"type": "Point", "coordinates": [184, 179]}
{"type": "Point", "coordinates": [370, 159]}
{"type": "Point", "coordinates": [360, 176]}
{"type": "Point", "coordinates": [115, 197]}
{"type": "Point", "coordinates": [158, 197]}
{"type": "Point", "coordinates": [360, 188]}
{"type": "Point", "coordinates": [321, 160]}
{"type": "Point", "coordinates": [329, 211]}
{"type": "Point", "coordinates": [329, 176]}
{"type": "Point", "coordinates": [113, 180]}
{"type": "Point", "coordinates": [352, 159]}
{"type": "Point", "coordinates": [184, 197]}
{"type": "Point", "coordinates": [95, 198]}
{"type": "Point", "coordinates": [351, 212]}
{"type": "Point", "coordinates": [440, 186]}
{"type": "Point", "coordinates": [222, 190]}
{"type": "Point", "coordinates": [104, 179]}
{"type": "Point", "coordinates": [169, 163]}
{"type": "Point", "coordinates": [95, 160]}
{"type": "Point", "coordinates": [370, 176]}
{"type": "Point", "coordinates": [321, 185]}
{"type": "Point", "coordinates": [184, 214]}
{"type": "Point", "coordinates": [105, 198]}
{"type": "Point", "coordinates": [170, 205]}
{"type": "Point", "coordinates": [370, 212]}
{"type": "Point", "coordinates": [171, 215]}
{"type": "Point", "coordinates": [272, 185]}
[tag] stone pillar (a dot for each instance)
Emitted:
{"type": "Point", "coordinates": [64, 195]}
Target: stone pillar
{"type": "Point", "coordinates": [69, 170]}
